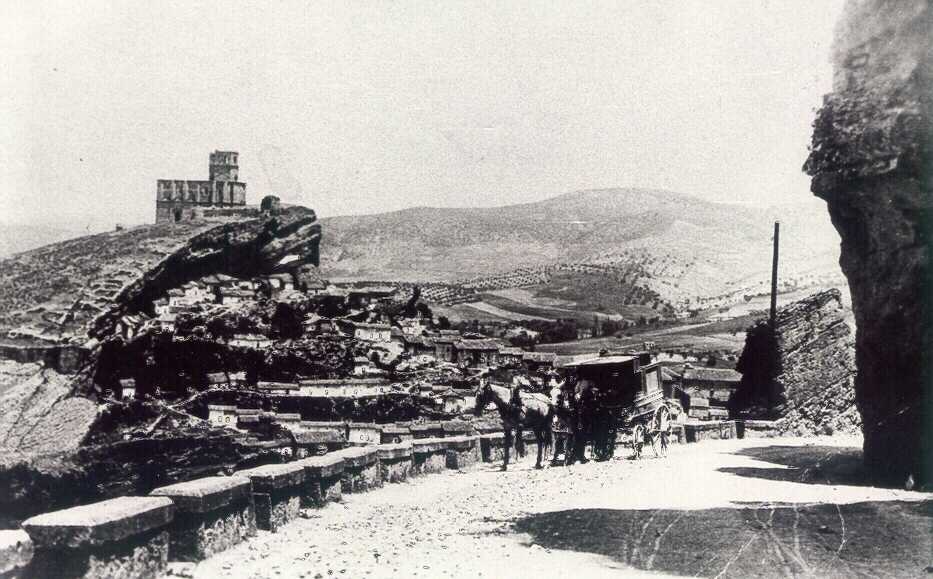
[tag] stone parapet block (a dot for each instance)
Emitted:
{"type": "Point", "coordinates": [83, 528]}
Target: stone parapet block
{"type": "Point", "coordinates": [99, 523]}
{"type": "Point", "coordinates": [710, 430]}
{"type": "Point", "coordinates": [395, 461]}
{"type": "Point", "coordinates": [358, 456]}
{"type": "Point", "coordinates": [325, 465]}
{"type": "Point", "coordinates": [394, 451]}
{"type": "Point", "coordinates": [361, 470]}
{"type": "Point", "coordinates": [462, 452]}
{"type": "Point", "coordinates": [212, 515]}
{"type": "Point", "coordinates": [492, 446]}
{"type": "Point", "coordinates": [206, 494]}
{"type": "Point", "coordinates": [271, 477]}
{"type": "Point", "coordinates": [429, 455]}
{"type": "Point", "coordinates": [277, 491]}
{"type": "Point", "coordinates": [323, 476]}
{"type": "Point", "coordinates": [121, 537]}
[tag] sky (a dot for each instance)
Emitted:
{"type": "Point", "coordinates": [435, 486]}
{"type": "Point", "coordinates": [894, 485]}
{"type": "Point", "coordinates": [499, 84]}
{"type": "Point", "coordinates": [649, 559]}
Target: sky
{"type": "Point", "coordinates": [374, 106]}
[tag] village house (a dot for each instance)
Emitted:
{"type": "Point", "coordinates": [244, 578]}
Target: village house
{"type": "Point", "coordinates": [510, 357]}
{"type": "Point", "coordinates": [315, 443]}
{"type": "Point", "coordinates": [196, 293]}
{"type": "Point", "coordinates": [167, 321]}
{"type": "Point", "coordinates": [127, 389]}
{"type": "Point", "coordinates": [584, 333]}
{"type": "Point", "coordinates": [709, 391]}
{"type": "Point", "coordinates": [343, 387]}
{"type": "Point", "coordinates": [521, 331]}
{"type": "Point", "coordinates": [255, 341]}
{"type": "Point", "coordinates": [315, 324]}
{"type": "Point", "coordinates": [366, 296]}
{"type": "Point", "coordinates": [363, 366]}
{"type": "Point", "coordinates": [412, 326]}
{"type": "Point", "coordinates": [314, 287]}
{"type": "Point", "coordinates": [538, 361]}
{"type": "Point", "coordinates": [444, 345]}
{"type": "Point", "coordinates": [217, 379]}
{"type": "Point", "coordinates": [453, 402]}
{"type": "Point", "coordinates": [289, 420]}
{"type": "Point", "coordinates": [160, 306]}
{"type": "Point", "coordinates": [230, 296]}
{"type": "Point", "coordinates": [363, 433]}
{"type": "Point", "coordinates": [221, 415]}
{"type": "Point", "coordinates": [176, 298]}
{"type": "Point", "coordinates": [372, 332]}
{"type": "Point", "coordinates": [248, 417]}
{"type": "Point", "coordinates": [395, 433]}
{"type": "Point", "coordinates": [418, 345]}
{"type": "Point", "coordinates": [278, 388]}
{"type": "Point", "coordinates": [476, 353]}
{"type": "Point", "coordinates": [281, 282]}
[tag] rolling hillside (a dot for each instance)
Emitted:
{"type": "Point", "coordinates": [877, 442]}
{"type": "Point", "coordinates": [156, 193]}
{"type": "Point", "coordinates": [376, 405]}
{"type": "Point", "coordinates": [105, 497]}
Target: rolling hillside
{"type": "Point", "coordinates": [653, 245]}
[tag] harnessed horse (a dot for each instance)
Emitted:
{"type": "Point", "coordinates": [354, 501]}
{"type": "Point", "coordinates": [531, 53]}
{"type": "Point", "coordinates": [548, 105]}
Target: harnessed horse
{"type": "Point", "coordinates": [518, 410]}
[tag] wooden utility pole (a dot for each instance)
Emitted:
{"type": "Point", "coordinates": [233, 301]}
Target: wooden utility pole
{"type": "Point", "coordinates": [774, 273]}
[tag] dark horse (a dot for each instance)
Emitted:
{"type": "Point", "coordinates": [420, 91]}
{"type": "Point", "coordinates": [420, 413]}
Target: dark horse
{"type": "Point", "coordinates": [518, 410]}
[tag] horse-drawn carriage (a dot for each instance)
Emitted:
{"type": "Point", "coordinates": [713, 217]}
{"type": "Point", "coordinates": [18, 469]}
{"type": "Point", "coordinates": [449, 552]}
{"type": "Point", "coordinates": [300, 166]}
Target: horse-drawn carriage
{"type": "Point", "coordinates": [601, 398]}
{"type": "Point", "coordinates": [609, 395]}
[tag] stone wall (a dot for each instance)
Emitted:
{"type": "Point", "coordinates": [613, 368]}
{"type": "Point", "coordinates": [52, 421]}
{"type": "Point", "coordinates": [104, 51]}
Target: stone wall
{"type": "Point", "coordinates": [869, 160]}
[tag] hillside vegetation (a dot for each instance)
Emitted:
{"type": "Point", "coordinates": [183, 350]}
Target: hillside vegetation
{"type": "Point", "coordinates": [651, 247]}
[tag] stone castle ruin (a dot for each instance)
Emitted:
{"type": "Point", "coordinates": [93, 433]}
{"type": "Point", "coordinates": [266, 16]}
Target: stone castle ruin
{"type": "Point", "coordinates": [222, 196]}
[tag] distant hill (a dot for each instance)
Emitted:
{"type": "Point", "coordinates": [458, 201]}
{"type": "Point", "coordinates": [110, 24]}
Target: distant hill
{"type": "Point", "coordinates": [686, 250]}
{"type": "Point", "coordinates": [15, 238]}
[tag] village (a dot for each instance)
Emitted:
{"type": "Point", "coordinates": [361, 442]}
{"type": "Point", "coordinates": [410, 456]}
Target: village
{"type": "Point", "coordinates": [395, 356]}
{"type": "Point", "coordinates": [514, 291]}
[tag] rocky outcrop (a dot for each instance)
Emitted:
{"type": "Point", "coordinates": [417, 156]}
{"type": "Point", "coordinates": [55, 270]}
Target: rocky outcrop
{"type": "Point", "coordinates": [242, 249]}
{"type": "Point", "coordinates": [801, 373]}
{"type": "Point", "coordinates": [816, 362]}
{"type": "Point", "coordinates": [870, 161]}
{"type": "Point", "coordinates": [59, 303]}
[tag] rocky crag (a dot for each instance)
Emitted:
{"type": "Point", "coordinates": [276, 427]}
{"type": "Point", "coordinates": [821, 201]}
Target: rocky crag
{"type": "Point", "coordinates": [816, 361]}
{"type": "Point", "coordinates": [68, 297]}
{"type": "Point", "coordinates": [801, 373]}
{"type": "Point", "coordinates": [870, 161]}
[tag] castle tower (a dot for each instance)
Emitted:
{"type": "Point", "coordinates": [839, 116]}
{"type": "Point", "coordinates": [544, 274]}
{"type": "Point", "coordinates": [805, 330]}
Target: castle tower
{"type": "Point", "coordinates": [224, 166]}
{"type": "Point", "coordinates": [221, 197]}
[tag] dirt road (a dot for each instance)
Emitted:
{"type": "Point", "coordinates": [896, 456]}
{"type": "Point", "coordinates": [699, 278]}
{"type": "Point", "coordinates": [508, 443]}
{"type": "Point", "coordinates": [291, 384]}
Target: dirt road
{"type": "Point", "coordinates": [781, 507]}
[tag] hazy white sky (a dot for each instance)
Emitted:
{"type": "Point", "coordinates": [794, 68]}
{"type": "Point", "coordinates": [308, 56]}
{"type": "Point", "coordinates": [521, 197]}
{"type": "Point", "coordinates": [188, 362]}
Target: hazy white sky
{"type": "Point", "coordinates": [371, 106]}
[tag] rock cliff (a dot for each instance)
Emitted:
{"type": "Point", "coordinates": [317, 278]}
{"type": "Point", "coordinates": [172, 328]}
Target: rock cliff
{"type": "Point", "coordinates": [802, 372]}
{"type": "Point", "coordinates": [870, 161]}
{"type": "Point", "coordinates": [816, 361]}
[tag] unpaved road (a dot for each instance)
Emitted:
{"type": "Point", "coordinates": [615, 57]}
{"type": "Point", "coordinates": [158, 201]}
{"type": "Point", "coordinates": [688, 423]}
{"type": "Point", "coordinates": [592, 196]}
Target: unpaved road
{"type": "Point", "coordinates": [737, 508]}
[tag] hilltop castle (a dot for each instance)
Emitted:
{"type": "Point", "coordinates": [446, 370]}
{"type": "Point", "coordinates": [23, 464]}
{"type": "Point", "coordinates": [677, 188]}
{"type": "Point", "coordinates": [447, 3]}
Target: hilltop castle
{"type": "Point", "coordinates": [222, 196]}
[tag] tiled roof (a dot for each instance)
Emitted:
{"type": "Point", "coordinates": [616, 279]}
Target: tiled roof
{"type": "Point", "coordinates": [476, 345]}
{"type": "Point", "coordinates": [712, 375]}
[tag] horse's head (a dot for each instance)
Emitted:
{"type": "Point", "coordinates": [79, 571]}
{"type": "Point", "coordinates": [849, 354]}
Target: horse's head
{"type": "Point", "coordinates": [483, 395]}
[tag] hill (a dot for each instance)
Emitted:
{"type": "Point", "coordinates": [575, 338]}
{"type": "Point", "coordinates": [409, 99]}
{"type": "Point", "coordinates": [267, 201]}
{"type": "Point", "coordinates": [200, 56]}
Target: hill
{"type": "Point", "coordinates": [657, 247]}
